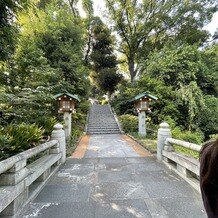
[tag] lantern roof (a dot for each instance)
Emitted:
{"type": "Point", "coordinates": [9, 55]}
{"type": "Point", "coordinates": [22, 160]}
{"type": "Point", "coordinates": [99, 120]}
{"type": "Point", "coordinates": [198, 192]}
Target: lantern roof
{"type": "Point", "coordinates": [142, 95]}
{"type": "Point", "coordinates": [69, 95]}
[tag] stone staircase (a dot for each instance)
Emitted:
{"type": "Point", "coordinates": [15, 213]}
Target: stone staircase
{"type": "Point", "coordinates": [101, 120]}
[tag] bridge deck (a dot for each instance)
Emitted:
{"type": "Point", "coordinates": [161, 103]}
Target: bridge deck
{"type": "Point", "coordinates": [115, 178]}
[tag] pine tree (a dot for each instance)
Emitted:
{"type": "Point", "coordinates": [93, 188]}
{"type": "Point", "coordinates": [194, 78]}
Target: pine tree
{"type": "Point", "coordinates": [103, 61]}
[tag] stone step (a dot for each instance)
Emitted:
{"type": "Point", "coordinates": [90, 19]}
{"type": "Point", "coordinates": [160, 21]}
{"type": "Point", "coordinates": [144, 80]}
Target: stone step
{"type": "Point", "coordinates": [106, 132]}
{"type": "Point", "coordinates": [101, 121]}
{"type": "Point", "coordinates": [103, 130]}
{"type": "Point", "coordinates": [103, 125]}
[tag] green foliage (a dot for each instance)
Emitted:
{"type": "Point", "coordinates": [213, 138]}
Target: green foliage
{"type": "Point", "coordinates": [178, 69]}
{"type": "Point", "coordinates": [47, 59]}
{"type": "Point", "coordinates": [4, 142]}
{"type": "Point", "coordinates": [17, 138]}
{"type": "Point", "coordinates": [208, 118]}
{"type": "Point", "coordinates": [8, 26]}
{"type": "Point", "coordinates": [175, 66]}
{"type": "Point", "coordinates": [103, 61]}
{"type": "Point", "coordinates": [129, 123]}
{"type": "Point", "coordinates": [83, 107]}
{"type": "Point", "coordinates": [194, 137]}
{"type": "Point", "coordinates": [170, 121]}
{"type": "Point", "coordinates": [186, 151]}
{"type": "Point", "coordinates": [23, 136]}
{"type": "Point", "coordinates": [27, 105]}
{"type": "Point", "coordinates": [32, 67]}
{"type": "Point", "coordinates": [44, 56]}
{"type": "Point", "coordinates": [175, 77]}
{"type": "Point", "coordinates": [143, 26]}
{"type": "Point", "coordinates": [121, 103]}
{"type": "Point", "coordinates": [207, 79]}
{"type": "Point", "coordinates": [47, 123]}
{"type": "Point", "coordinates": [108, 80]}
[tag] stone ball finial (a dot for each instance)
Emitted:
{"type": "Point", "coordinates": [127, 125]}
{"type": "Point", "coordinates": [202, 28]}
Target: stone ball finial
{"type": "Point", "coordinates": [164, 125]}
{"type": "Point", "coordinates": [58, 126]}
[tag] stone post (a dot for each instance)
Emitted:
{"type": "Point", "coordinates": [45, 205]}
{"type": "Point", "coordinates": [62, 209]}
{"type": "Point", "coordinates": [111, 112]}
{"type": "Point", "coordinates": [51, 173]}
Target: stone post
{"type": "Point", "coordinates": [142, 124]}
{"type": "Point", "coordinates": [15, 177]}
{"type": "Point", "coordinates": [67, 124]}
{"type": "Point", "coordinates": [163, 133]}
{"type": "Point", "coordinates": [59, 134]}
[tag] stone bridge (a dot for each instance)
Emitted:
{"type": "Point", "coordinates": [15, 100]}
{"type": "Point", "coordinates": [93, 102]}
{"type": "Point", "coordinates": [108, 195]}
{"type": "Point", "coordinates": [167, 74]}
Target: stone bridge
{"type": "Point", "coordinates": [109, 175]}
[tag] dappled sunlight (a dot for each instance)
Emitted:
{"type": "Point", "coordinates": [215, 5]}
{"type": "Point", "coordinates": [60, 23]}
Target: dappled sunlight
{"type": "Point", "coordinates": [115, 169]}
{"type": "Point", "coordinates": [38, 207]}
{"type": "Point", "coordinates": [99, 197]}
{"type": "Point", "coordinates": [67, 177]}
{"type": "Point", "coordinates": [129, 209]}
{"type": "Point", "coordinates": [134, 211]}
{"type": "Point", "coordinates": [116, 207]}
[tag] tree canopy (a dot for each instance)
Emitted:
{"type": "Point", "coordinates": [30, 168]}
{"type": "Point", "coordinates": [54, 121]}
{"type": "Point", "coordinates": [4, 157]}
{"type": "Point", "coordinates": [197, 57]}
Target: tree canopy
{"type": "Point", "coordinates": [143, 26]}
{"type": "Point", "coordinates": [103, 60]}
{"type": "Point", "coordinates": [8, 25]}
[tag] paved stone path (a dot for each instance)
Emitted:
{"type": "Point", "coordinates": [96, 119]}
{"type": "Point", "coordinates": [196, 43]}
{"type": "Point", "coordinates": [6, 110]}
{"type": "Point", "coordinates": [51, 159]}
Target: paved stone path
{"type": "Point", "coordinates": [116, 178]}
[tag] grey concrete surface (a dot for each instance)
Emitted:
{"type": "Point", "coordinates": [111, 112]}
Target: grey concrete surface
{"type": "Point", "coordinates": [112, 181]}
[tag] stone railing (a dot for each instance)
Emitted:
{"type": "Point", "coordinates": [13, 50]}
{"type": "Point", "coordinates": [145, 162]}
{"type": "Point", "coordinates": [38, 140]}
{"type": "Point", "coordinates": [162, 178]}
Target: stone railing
{"type": "Point", "coordinates": [116, 119]}
{"type": "Point", "coordinates": [21, 181]}
{"type": "Point", "coordinates": [187, 167]}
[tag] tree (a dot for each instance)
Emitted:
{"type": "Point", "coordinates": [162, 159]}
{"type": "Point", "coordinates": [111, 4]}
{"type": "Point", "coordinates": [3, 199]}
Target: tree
{"type": "Point", "coordinates": [177, 67]}
{"type": "Point", "coordinates": [8, 26]}
{"type": "Point", "coordinates": [104, 63]}
{"type": "Point", "coordinates": [208, 119]}
{"type": "Point", "coordinates": [181, 68]}
{"type": "Point", "coordinates": [207, 79]}
{"type": "Point", "coordinates": [88, 8]}
{"type": "Point", "coordinates": [62, 40]}
{"type": "Point", "coordinates": [145, 25]}
{"type": "Point", "coordinates": [47, 60]}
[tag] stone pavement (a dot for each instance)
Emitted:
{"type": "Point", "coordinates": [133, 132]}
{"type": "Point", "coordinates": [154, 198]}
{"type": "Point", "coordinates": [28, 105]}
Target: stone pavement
{"type": "Point", "coordinates": [111, 176]}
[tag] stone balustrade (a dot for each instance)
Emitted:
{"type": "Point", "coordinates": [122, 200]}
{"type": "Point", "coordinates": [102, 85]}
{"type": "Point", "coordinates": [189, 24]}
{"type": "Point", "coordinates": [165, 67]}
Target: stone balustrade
{"type": "Point", "coordinates": [187, 167]}
{"type": "Point", "coordinates": [21, 181]}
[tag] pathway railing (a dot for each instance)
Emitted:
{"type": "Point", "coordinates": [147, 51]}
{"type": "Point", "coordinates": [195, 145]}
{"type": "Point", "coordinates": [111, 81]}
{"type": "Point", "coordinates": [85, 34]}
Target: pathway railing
{"type": "Point", "coordinates": [187, 167]}
{"type": "Point", "coordinates": [21, 181]}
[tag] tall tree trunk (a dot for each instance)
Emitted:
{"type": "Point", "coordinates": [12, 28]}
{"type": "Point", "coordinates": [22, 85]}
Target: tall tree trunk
{"type": "Point", "coordinates": [88, 48]}
{"type": "Point", "coordinates": [131, 65]}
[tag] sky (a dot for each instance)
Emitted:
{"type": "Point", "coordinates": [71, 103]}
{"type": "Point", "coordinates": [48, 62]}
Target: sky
{"type": "Point", "coordinates": [213, 25]}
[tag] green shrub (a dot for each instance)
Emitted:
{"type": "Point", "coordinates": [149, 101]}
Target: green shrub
{"type": "Point", "coordinates": [193, 137]}
{"type": "Point", "coordinates": [47, 123]}
{"type": "Point", "coordinates": [129, 123]}
{"type": "Point", "coordinates": [83, 107]}
{"type": "Point", "coordinates": [4, 142]}
{"type": "Point", "coordinates": [79, 119]}
{"type": "Point", "coordinates": [170, 121]}
{"type": "Point", "coordinates": [23, 136]}
{"type": "Point", "coordinates": [186, 151]}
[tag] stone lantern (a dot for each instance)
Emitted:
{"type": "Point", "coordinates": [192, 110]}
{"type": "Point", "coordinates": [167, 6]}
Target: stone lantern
{"type": "Point", "coordinates": [142, 103]}
{"type": "Point", "coordinates": [66, 105]}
